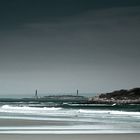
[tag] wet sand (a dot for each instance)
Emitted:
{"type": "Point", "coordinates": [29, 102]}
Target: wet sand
{"type": "Point", "coordinates": [70, 137]}
{"type": "Point", "coordinates": [21, 131]}
{"type": "Point", "coordinates": [28, 122]}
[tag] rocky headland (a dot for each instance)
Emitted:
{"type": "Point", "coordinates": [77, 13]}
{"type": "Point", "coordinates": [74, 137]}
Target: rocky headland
{"type": "Point", "coordinates": [123, 96]}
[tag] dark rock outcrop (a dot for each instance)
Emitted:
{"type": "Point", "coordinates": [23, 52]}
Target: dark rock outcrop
{"type": "Point", "coordinates": [132, 94]}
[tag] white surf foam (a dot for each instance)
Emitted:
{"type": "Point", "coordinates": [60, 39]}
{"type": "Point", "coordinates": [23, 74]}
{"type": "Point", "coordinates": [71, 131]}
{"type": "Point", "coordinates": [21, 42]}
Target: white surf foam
{"type": "Point", "coordinates": [108, 112]}
{"type": "Point", "coordinates": [57, 111]}
{"type": "Point", "coordinates": [8, 107]}
{"type": "Point", "coordinates": [26, 109]}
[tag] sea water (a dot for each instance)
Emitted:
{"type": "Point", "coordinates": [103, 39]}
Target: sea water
{"type": "Point", "coordinates": [93, 119]}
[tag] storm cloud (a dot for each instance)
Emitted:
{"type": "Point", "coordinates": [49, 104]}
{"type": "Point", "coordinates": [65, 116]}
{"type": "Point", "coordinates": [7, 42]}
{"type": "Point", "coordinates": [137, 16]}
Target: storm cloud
{"type": "Point", "coordinates": [59, 46]}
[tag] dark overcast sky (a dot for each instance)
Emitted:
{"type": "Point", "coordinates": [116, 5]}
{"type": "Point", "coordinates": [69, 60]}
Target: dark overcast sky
{"type": "Point", "coordinates": [61, 45]}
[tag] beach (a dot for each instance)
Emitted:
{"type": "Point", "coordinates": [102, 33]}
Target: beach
{"type": "Point", "coordinates": [69, 137]}
{"type": "Point", "coordinates": [33, 120]}
{"type": "Point", "coordinates": [28, 122]}
{"type": "Point", "coordinates": [20, 123]}
{"type": "Point", "coordinates": [21, 129]}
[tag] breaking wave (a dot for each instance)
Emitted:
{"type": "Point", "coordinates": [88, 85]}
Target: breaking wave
{"type": "Point", "coordinates": [61, 111]}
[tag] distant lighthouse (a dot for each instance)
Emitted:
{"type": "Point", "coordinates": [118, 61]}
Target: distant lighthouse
{"type": "Point", "coordinates": [36, 96]}
{"type": "Point", "coordinates": [77, 92]}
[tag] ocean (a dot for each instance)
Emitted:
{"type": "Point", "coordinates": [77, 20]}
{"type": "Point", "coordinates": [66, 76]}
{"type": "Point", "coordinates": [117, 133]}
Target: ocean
{"type": "Point", "coordinates": [22, 117]}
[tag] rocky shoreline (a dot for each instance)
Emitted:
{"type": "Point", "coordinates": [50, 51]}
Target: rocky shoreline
{"type": "Point", "coordinates": [131, 96]}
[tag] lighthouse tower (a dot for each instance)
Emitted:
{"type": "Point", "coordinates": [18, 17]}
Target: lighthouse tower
{"type": "Point", "coordinates": [77, 92]}
{"type": "Point", "coordinates": [36, 96]}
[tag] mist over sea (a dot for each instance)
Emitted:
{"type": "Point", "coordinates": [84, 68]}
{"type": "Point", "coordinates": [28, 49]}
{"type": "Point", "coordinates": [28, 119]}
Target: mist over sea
{"type": "Point", "coordinates": [45, 94]}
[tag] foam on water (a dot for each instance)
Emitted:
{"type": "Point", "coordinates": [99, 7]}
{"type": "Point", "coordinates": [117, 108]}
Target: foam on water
{"type": "Point", "coordinates": [59, 110]}
{"type": "Point", "coordinates": [75, 118]}
{"type": "Point", "coordinates": [26, 109]}
{"type": "Point", "coordinates": [8, 107]}
{"type": "Point", "coordinates": [108, 112]}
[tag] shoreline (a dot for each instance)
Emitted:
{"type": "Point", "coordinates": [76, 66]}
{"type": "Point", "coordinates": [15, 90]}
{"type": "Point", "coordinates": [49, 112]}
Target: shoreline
{"type": "Point", "coordinates": [11, 122]}
{"type": "Point", "coordinates": [70, 136]}
{"type": "Point", "coordinates": [23, 126]}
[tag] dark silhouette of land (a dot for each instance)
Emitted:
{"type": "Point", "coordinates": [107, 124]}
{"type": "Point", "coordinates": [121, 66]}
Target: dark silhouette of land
{"type": "Point", "coordinates": [123, 96]}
